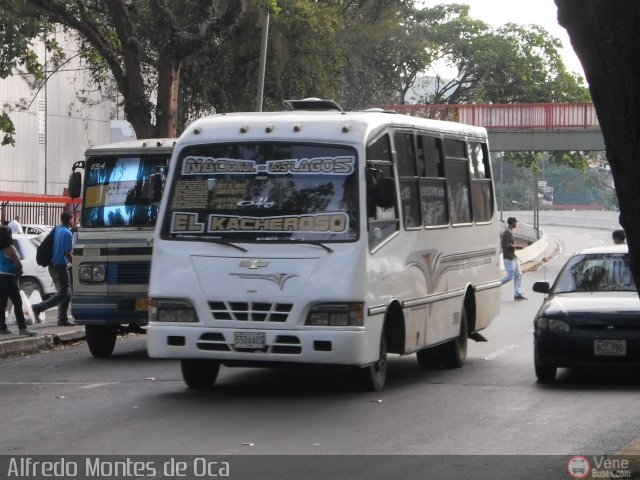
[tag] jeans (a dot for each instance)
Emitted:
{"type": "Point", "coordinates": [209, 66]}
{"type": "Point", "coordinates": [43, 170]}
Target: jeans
{"type": "Point", "coordinates": [9, 290]}
{"type": "Point", "coordinates": [513, 272]}
{"type": "Point", "coordinates": [62, 298]}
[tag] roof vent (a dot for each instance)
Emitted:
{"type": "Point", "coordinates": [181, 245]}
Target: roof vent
{"type": "Point", "coordinates": [311, 104]}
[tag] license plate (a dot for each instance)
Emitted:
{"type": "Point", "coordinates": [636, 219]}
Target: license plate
{"type": "Point", "coordinates": [615, 348]}
{"type": "Point", "coordinates": [142, 304]}
{"type": "Point", "coordinates": [248, 340]}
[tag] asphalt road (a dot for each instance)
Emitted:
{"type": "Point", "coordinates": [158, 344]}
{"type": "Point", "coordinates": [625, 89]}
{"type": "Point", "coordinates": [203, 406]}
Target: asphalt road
{"type": "Point", "coordinates": [65, 402]}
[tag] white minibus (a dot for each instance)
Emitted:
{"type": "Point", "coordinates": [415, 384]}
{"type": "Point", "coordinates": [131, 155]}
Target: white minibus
{"type": "Point", "coordinates": [318, 236]}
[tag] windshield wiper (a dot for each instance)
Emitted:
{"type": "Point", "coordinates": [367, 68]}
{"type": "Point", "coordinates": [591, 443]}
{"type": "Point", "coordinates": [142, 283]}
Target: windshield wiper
{"type": "Point", "coordinates": [319, 244]}
{"type": "Point", "coordinates": [217, 240]}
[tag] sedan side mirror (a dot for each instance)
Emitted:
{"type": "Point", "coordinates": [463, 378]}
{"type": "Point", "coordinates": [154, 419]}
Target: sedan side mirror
{"type": "Point", "coordinates": [541, 287]}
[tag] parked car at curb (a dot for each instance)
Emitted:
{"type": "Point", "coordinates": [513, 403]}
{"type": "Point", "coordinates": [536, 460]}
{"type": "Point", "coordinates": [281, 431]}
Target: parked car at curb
{"type": "Point", "coordinates": [35, 229]}
{"type": "Point", "coordinates": [34, 277]}
{"type": "Point", "coordinates": [590, 316]}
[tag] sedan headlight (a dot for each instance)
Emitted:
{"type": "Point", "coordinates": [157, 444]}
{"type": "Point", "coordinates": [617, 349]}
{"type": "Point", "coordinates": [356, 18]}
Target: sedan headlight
{"type": "Point", "coordinates": [552, 325]}
{"type": "Point", "coordinates": [171, 311]}
{"type": "Point", "coordinates": [337, 315]}
{"type": "Point", "coordinates": [92, 273]}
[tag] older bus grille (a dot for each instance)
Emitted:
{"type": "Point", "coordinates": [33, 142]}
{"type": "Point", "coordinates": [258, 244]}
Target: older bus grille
{"type": "Point", "coordinates": [251, 311]}
{"type": "Point", "coordinates": [128, 273]}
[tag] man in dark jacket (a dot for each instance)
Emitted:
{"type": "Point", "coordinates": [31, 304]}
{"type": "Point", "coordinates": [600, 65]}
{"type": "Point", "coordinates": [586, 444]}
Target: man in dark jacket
{"type": "Point", "coordinates": [511, 264]}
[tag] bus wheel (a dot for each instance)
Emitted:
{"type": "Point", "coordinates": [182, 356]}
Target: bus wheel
{"type": "Point", "coordinates": [101, 339]}
{"type": "Point", "coordinates": [429, 357]}
{"type": "Point", "coordinates": [373, 377]}
{"type": "Point", "coordinates": [199, 374]}
{"type": "Point", "coordinates": [454, 353]}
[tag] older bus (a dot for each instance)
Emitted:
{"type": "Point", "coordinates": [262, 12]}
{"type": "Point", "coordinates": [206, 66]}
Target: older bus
{"type": "Point", "coordinates": [319, 236]}
{"type": "Point", "coordinates": [120, 189]}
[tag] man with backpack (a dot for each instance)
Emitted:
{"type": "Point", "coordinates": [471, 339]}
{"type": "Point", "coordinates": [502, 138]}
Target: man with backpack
{"type": "Point", "coordinates": [59, 271]}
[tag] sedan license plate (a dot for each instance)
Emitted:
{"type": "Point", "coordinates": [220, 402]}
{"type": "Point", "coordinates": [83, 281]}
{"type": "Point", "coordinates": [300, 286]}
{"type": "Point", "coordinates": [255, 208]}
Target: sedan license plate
{"type": "Point", "coordinates": [248, 340]}
{"type": "Point", "coordinates": [615, 348]}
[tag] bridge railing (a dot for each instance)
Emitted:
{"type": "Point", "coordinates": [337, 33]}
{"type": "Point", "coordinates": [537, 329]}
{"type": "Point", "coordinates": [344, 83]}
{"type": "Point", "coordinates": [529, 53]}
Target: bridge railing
{"type": "Point", "coordinates": [508, 116]}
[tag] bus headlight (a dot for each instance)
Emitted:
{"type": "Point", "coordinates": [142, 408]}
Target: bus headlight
{"type": "Point", "coordinates": [92, 273]}
{"type": "Point", "coordinates": [171, 311]}
{"type": "Point", "coordinates": [337, 315]}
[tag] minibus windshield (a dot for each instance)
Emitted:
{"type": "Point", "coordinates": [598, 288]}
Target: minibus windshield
{"type": "Point", "coordinates": [264, 192]}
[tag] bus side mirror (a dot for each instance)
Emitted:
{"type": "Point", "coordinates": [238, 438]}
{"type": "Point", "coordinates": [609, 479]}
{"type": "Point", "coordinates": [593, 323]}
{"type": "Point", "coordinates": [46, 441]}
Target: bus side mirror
{"type": "Point", "coordinates": [156, 180]}
{"type": "Point", "coordinates": [385, 194]}
{"type": "Point", "coordinates": [75, 184]}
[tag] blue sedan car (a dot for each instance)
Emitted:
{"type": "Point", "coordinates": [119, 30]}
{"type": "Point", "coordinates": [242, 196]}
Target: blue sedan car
{"type": "Point", "coordinates": [590, 316]}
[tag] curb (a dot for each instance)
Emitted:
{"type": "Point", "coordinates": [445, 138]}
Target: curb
{"type": "Point", "coordinates": [47, 341]}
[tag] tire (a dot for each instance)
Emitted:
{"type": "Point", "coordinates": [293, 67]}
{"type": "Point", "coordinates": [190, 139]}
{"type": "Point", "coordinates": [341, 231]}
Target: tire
{"type": "Point", "coordinates": [429, 357]}
{"type": "Point", "coordinates": [546, 374]}
{"type": "Point", "coordinates": [372, 378]}
{"type": "Point", "coordinates": [454, 352]}
{"type": "Point", "coordinates": [199, 374]}
{"type": "Point", "coordinates": [101, 340]}
{"type": "Point", "coordinates": [29, 285]}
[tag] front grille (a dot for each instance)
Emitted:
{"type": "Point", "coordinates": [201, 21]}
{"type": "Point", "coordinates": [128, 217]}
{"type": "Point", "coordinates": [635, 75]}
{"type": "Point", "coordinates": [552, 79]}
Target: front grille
{"type": "Point", "coordinates": [251, 311]}
{"type": "Point", "coordinates": [128, 273]}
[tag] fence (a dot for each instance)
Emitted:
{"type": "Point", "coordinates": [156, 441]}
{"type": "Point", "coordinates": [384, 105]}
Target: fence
{"type": "Point", "coordinates": [509, 116]}
{"type": "Point", "coordinates": [35, 208]}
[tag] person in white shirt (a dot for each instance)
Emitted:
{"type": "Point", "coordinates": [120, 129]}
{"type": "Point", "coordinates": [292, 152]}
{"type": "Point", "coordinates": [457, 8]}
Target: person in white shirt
{"type": "Point", "coordinates": [15, 226]}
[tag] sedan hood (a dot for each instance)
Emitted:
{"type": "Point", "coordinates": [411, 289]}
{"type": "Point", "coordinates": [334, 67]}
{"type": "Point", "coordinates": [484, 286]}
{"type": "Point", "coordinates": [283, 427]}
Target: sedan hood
{"type": "Point", "coordinates": [593, 307]}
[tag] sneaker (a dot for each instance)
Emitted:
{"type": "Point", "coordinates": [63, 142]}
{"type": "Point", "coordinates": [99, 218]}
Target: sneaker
{"type": "Point", "coordinates": [65, 323]}
{"type": "Point", "coordinates": [5, 331]}
{"type": "Point", "coordinates": [520, 297]}
{"type": "Point", "coordinates": [27, 332]}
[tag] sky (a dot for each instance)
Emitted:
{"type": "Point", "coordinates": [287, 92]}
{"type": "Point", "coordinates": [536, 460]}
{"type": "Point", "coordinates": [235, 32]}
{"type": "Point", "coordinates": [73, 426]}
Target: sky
{"type": "Point", "coordinates": [522, 12]}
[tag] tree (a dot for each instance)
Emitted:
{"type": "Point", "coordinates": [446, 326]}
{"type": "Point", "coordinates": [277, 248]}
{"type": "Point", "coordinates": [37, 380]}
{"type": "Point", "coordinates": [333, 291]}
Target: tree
{"type": "Point", "coordinates": [604, 35]}
{"type": "Point", "coordinates": [142, 45]}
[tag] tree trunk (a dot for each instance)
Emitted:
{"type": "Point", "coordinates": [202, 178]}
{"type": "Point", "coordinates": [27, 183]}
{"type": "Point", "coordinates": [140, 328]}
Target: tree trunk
{"type": "Point", "coordinates": [606, 38]}
{"type": "Point", "coordinates": [167, 105]}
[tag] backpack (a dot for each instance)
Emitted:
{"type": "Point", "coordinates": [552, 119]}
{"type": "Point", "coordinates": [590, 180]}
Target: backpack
{"type": "Point", "coordinates": [44, 253]}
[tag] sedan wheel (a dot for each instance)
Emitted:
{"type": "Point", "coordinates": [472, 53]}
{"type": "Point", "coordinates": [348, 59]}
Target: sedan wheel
{"type": "Point", "coordinates": [545, 373]}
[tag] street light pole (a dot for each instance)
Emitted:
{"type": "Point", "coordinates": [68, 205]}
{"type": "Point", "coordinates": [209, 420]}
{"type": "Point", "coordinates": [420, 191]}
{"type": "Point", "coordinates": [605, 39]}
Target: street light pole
{"type": "Point", "coordinates": [263, 61]}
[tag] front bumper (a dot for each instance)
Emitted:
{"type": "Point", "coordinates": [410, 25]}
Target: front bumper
{"type": "Point", "coordinates": [339, 347]}
{"type": "Point", "coordinates": [109, 310]}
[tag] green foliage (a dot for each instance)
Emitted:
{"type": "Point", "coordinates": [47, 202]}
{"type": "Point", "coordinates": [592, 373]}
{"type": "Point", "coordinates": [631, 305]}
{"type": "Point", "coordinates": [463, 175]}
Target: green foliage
{"type": "Point", "coordinates": [8, 130]}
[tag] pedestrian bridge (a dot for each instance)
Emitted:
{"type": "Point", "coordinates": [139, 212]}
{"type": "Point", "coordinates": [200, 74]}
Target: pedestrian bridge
{"type": "Point", "coordinates": [523, 126]}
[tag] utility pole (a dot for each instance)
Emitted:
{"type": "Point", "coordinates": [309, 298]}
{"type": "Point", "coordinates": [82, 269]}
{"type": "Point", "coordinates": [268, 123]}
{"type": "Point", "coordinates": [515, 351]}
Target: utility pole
{"type": "Point", "coordinates": [263, 61]}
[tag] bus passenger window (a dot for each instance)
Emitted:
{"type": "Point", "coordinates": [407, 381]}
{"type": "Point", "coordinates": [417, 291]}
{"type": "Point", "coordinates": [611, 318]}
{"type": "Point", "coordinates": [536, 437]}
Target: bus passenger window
{"type": "Point", "coordinates": [481, 186]}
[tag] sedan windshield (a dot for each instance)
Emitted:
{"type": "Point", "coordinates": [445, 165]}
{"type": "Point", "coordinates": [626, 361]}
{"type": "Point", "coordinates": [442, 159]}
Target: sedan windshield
{"type": "Point", "coordinates": [595, 273]}
{"type": "Point", "coordinates": [264, 192]}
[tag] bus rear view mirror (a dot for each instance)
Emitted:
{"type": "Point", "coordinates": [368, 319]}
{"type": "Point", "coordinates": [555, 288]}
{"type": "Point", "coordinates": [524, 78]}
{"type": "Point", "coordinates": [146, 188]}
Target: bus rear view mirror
{"type": "Point", "coordinates": [75, 184]}
{"type": "Point", "coordinates": [385, 193]}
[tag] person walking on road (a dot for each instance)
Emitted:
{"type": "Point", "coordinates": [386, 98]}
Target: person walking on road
{"type": "Point", "coordinates": [59, 271]}
{"type": "Point", "coordinates": [10, 271]}
{"type": "Point", "coordinates": [15, 226]}
{"type": "Point", "coordinates": [511, 264]}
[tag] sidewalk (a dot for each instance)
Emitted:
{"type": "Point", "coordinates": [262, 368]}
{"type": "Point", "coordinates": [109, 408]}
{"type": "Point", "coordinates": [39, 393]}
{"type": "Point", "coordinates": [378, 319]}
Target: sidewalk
{"type": "Point", "coordinates": [49, 335]}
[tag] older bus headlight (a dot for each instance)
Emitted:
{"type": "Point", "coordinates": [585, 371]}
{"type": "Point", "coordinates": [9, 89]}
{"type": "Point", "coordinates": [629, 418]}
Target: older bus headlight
{"type": "Point", "coordinates": [171, 311]}
{"type": "Point", "coordinates": [92, 273]}
{"type": "Point", "coordinates": [337, 315]}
